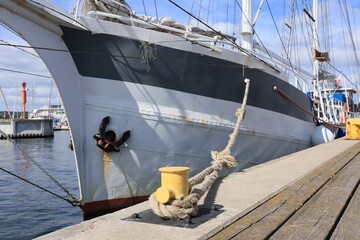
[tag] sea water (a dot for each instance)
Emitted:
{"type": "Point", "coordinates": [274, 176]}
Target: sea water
{"type": "Point", "coordinates": [27, 212]}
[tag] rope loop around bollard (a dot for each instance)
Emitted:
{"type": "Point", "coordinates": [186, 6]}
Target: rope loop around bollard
{"type": "Point", "coordinates": [185, 207]}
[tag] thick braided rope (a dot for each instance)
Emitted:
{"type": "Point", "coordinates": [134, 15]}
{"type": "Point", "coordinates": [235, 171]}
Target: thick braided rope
{"type": "Point", "coordinates": [184, 207]}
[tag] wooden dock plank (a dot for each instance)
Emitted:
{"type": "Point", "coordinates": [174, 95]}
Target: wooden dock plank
{"type": "Point", "coordinates": [265, 219]}
{"type": "Point", "coordinates": [349, 225]}
{"type": "Point", "coordinates": [317, 218]}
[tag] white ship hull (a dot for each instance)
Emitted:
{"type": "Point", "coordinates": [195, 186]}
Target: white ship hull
{"type": "Point", "coordinates": [178, 104]}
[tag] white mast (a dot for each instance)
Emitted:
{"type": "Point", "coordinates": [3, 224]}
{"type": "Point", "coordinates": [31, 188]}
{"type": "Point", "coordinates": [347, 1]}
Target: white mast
{"type": "Point", "coordinates": [77, 9]}
{"type": "Point", "coordinates": [326, 106]}
{"type": "Point", "coordinates": [317, 84]}
{"type": "Point", "coordinates": [247, 30]}
{"type": "Point", "coordinates": [315, 36]}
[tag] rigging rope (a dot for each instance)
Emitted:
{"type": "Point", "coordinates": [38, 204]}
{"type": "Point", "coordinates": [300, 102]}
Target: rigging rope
{"type": "Point", "coordinates": [348, 25]}
{"type": "Point", "coordinates": [255, 33]}
{"type": "Point", "coordinates": [104, 54]}
{"type": "Point", "coordinates": [144, 7]}
{"type": "Point", "coordinates": [308, 28]}
{"type": "Point", "coordinates": [13, 32]}
{"type": "Point", "coordinates": [26, 73]}
{"type": "Point", "coordinates": [156, 9]}
{"type": "Point", "coordinates": [249, 53]}
{"type": "Point", "coordinates": [355, 85]}
{"type": "Point", "coordinates": [133, 15]}
{"type": "Point", "coordinates": [277, 30]}
{"type": "Point", "coordinates": [185, 207]}
{"type": "Point", "coordinates": [62, 14]}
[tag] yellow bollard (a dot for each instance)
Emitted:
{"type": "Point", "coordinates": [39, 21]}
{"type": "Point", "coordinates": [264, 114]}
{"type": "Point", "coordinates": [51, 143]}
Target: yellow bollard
{"type": "Point", "coordinates": [352, 128]}
{"type": "Point", "coordinates": [174, 182]}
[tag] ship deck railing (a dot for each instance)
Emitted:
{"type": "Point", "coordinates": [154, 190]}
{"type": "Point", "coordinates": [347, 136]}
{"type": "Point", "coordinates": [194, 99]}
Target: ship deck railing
{"type": "Point", "coordinates": [217, 44]}
{"type": "Point", "coordinates": [354, 114]}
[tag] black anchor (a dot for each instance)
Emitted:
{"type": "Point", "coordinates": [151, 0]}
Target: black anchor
{"type": "Point", "coordinates": [106, 139]}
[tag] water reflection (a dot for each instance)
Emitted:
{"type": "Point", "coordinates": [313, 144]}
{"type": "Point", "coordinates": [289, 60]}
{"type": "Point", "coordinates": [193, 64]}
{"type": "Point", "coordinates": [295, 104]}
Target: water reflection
{"type": "Point", "coordinates": [25, 211]}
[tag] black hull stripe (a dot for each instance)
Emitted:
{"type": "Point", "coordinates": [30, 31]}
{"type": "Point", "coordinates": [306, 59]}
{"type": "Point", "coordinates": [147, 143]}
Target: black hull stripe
{"type": "Point", "coordinates": [118, 58]}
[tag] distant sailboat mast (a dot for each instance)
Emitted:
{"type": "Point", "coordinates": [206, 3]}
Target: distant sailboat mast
{"type": "Point", "coordinates": [50, 96]}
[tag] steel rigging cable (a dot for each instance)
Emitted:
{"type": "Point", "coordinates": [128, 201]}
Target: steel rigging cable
{"type": "Point", "coordinates": [25, 180]}
{"type": "Point", "coordinates": [74, 201]}
{"type": "Point", "coordinates": [26, 73]}
{"type": "Point", "coordinates": [249, 53]}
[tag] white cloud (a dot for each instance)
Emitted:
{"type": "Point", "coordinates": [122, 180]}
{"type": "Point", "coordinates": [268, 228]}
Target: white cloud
{"type": "Point", "coordinates": [12, 59]}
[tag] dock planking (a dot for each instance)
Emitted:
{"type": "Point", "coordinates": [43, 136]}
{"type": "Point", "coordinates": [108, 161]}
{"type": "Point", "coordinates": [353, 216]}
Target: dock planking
{"type": "Point", "coordinates": [349, 224]}
{"type": "Point", "coordinates": [323, 204]}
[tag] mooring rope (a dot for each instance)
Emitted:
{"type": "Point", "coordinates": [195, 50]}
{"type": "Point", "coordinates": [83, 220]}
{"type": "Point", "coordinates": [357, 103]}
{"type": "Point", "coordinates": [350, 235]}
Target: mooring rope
{"type": "Point", "coordinates": [185, 207]}
{"type": "Point", "coordinates": [283, 94]}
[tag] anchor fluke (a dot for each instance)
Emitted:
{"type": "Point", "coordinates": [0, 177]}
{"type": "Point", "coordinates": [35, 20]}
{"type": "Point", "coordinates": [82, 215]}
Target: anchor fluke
{"type": "Point", "coordinates": [106, 139]}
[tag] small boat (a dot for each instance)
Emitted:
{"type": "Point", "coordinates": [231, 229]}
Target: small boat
{"type": "Point", "coordinates": [55, 112]}
{"type": "Point", "coordinates": [160, 93]}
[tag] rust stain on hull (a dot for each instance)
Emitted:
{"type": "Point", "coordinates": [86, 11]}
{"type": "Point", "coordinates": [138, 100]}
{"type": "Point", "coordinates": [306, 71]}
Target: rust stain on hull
{"type": "Point", "coordinates": [186, 119]}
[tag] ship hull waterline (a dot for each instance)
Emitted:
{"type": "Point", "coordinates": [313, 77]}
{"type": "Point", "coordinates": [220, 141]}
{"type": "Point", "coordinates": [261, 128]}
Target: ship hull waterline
{"type": "Point", "coordinates": [179, 104]}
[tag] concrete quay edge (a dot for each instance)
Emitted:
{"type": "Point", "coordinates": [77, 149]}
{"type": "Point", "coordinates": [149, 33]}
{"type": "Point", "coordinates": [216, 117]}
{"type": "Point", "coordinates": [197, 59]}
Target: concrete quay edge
{"type": "Point", "coordinates": [236, 193]}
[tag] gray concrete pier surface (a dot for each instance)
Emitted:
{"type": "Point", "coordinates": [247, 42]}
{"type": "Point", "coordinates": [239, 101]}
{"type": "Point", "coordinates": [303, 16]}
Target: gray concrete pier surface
{"type": "Point", "coordinates": [232, 197]}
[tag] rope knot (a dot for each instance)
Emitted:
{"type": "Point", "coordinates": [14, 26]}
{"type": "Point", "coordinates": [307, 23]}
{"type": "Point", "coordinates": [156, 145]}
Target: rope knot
{"type": "Point", "coordinates": [223, 158]}
{"type": "Point", "coordinates": [184, 207]}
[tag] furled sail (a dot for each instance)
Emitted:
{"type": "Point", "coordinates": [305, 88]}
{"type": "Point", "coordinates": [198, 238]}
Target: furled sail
{"type": "Point", "coordinates": [117, 7]}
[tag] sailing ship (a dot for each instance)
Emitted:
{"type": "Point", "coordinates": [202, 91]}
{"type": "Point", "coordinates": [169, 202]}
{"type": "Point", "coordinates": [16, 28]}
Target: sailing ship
{"type": "Point", "coordinates": [338, 105]}
{"type": "Point", "coordinates": [142, 93]}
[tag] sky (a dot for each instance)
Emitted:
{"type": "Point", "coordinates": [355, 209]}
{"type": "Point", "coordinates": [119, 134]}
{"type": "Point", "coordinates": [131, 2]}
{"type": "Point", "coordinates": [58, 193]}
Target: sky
{"type": "Point", "coordinates": [22, 65]}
